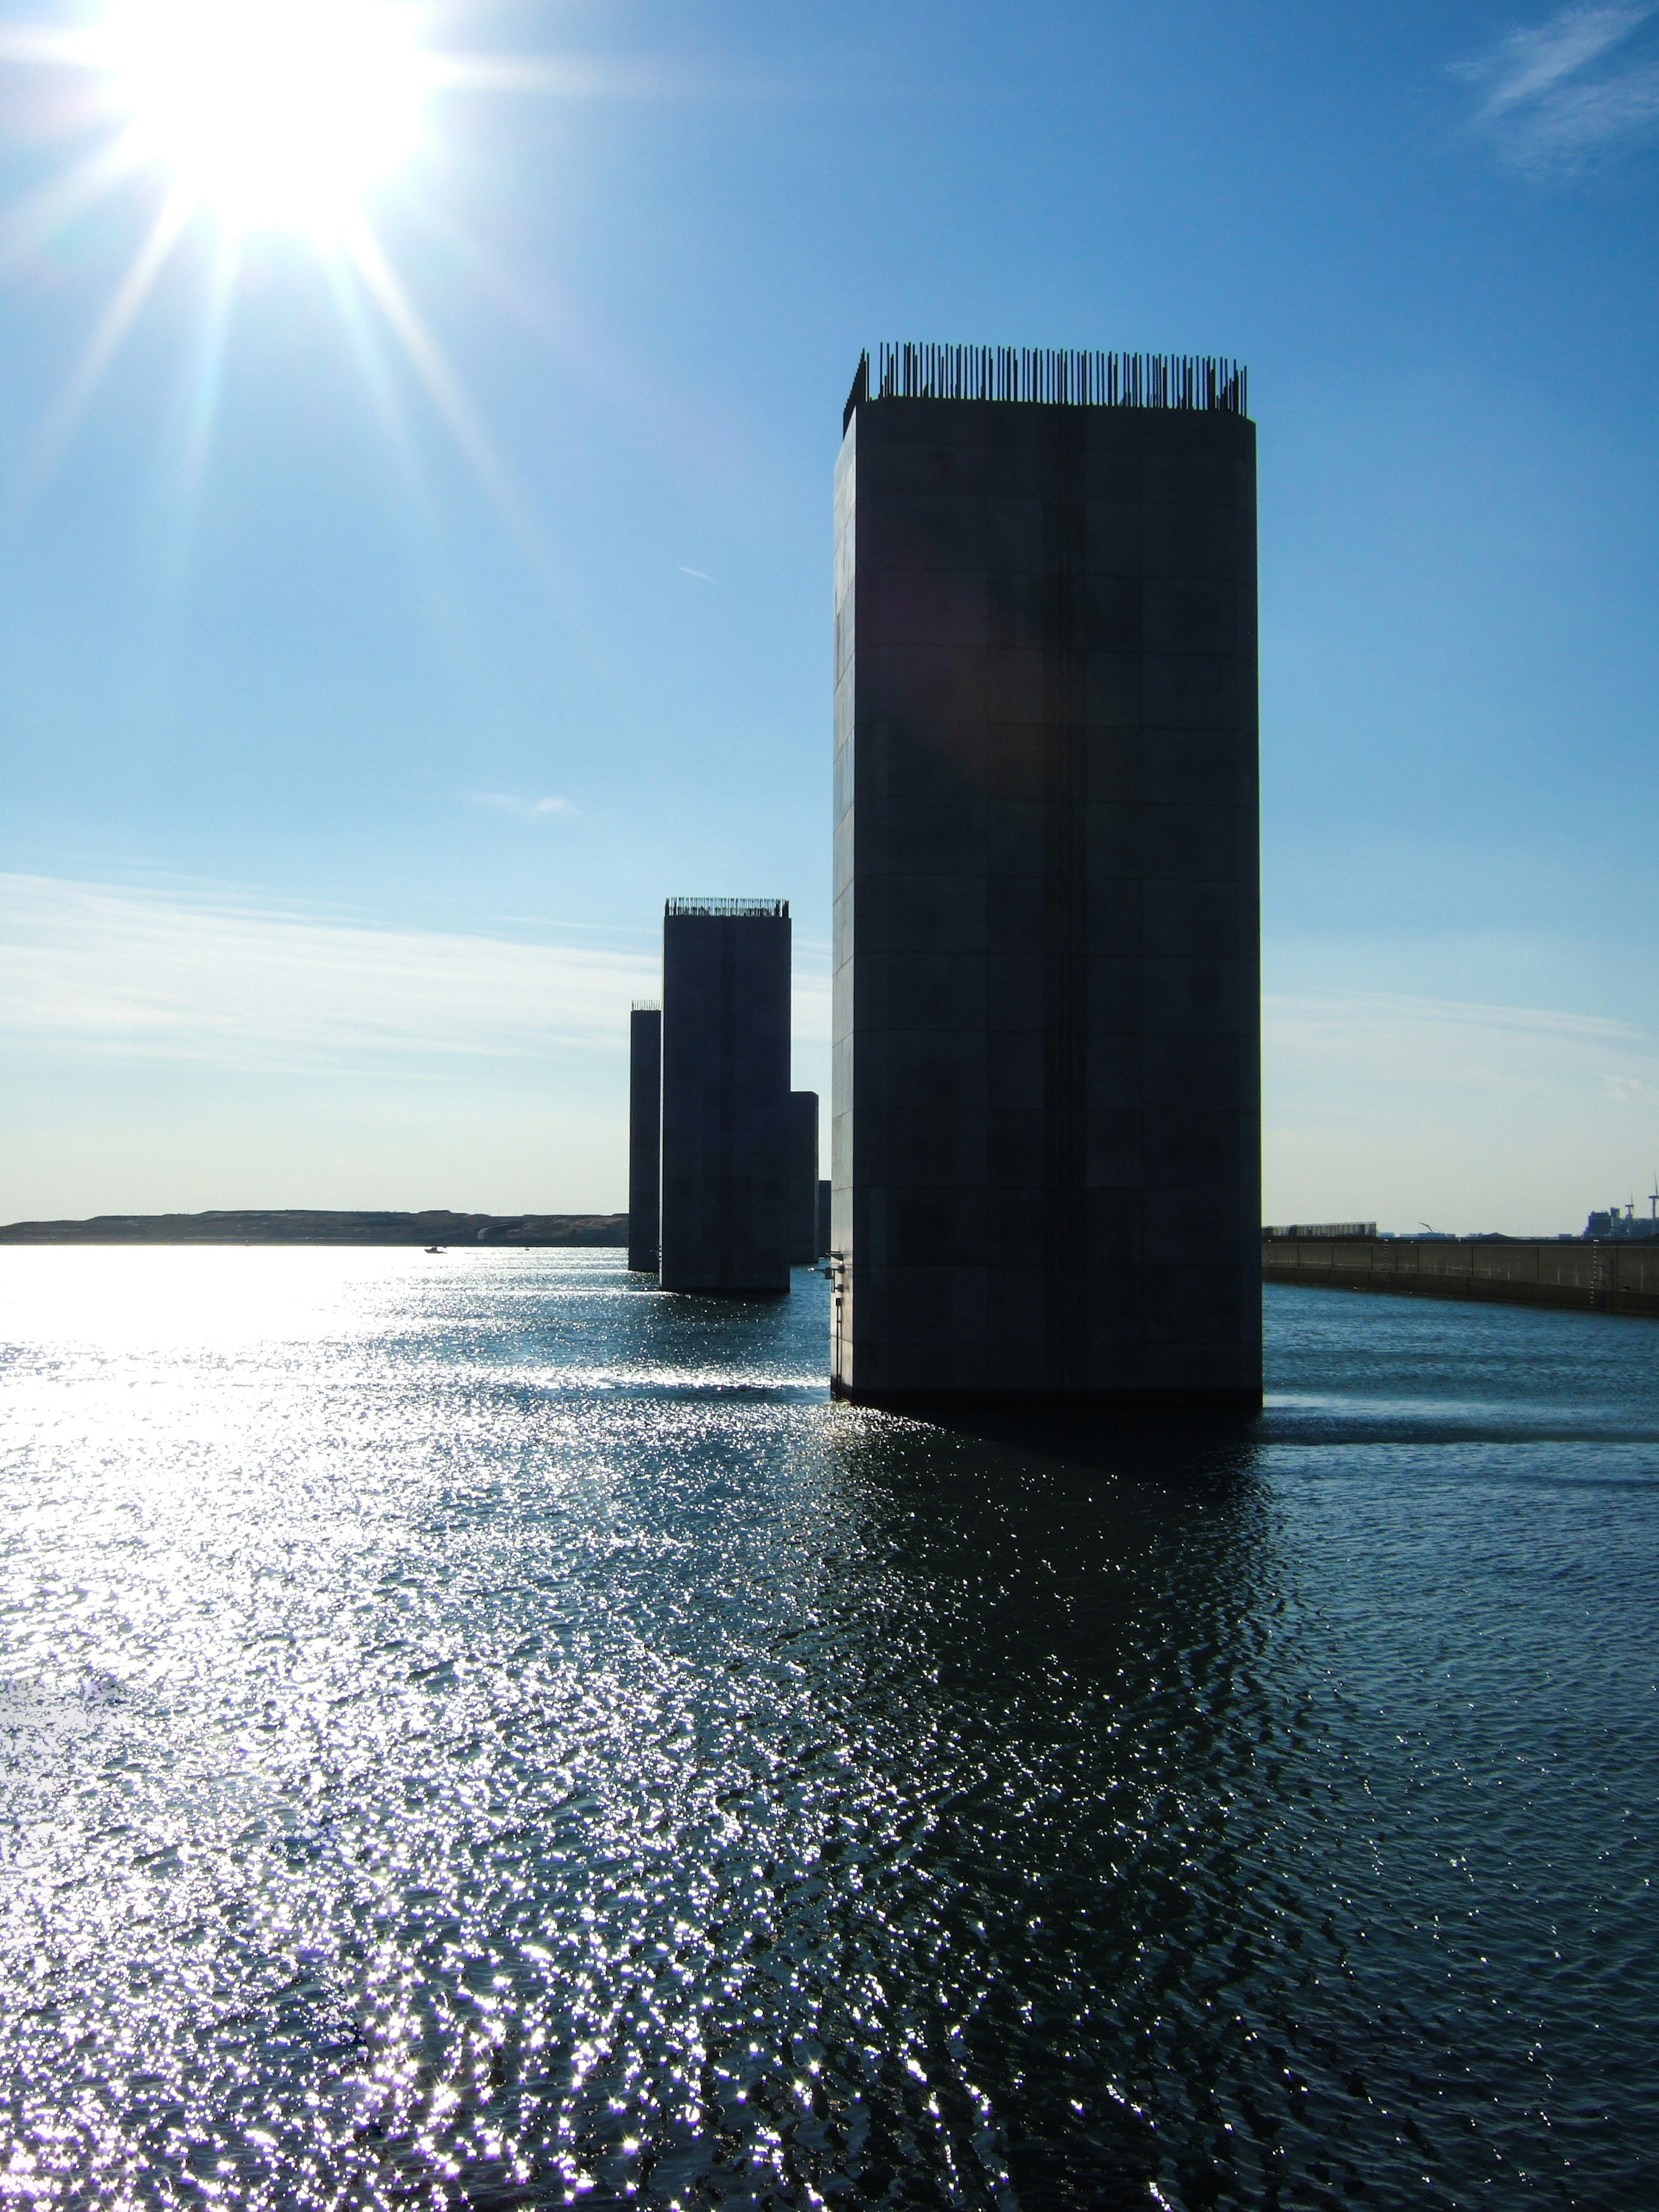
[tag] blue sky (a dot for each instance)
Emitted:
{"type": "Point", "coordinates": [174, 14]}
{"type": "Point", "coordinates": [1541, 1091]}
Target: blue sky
{"type": "Point", "coordinates": [360, 707]}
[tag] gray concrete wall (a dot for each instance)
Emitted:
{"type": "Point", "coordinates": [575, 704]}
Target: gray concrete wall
{"type": "Point", "coordinates": [1046, 1122]}
{"type": "Point", "coordinates": [1596, 1276]}
{"type": "Point", "coordinates": [802, 1177]}
{"type": "Point", "coordinates": [644, 1137]}
{"type": "Point", "coordinates": [726, 1102]}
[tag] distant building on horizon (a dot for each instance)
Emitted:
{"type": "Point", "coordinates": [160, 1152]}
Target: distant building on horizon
{"type": "Point", "coordinates": [1348, 1229]}
{"type": "Point", "coordinates": [725, 1110]}
{"type": "Point", "coordinates": [1626, 1224]}
{"type": "Point", "coordinates": [1046, 1116]}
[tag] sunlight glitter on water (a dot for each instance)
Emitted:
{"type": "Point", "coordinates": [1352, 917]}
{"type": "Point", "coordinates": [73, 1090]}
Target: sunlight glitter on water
{"type": "Point", "coordinates": [477, 1732]}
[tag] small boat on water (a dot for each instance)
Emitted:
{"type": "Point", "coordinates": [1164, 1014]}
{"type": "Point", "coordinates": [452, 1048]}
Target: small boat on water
{"type": "Point", "coordinates": [437, 1248]}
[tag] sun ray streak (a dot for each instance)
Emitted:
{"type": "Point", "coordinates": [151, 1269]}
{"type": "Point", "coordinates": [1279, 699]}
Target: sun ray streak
{"type": "Point", "coordinates": [134, 290]}
{"type": "Point", "coordinates": [154, 678]}
{"type": "Point", "coordinates": [367, 340]}
{"type": "Point", "coordinates": [203, 411]}
{"type": "Point", "coordinates": [445, 389]}
{"type": "Point", "coordinates": [35, 219]}
{"type": "Point", "coordinates": [423, 542]}
{"type": "Point", "coordinates": [28, 43]}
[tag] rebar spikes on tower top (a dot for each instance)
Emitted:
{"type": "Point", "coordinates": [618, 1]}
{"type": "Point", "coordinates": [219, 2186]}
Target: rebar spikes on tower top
{"type": "Point", "coordinates": [1053, 375]}
{"type": "Point", "coordinates": [776, 909]}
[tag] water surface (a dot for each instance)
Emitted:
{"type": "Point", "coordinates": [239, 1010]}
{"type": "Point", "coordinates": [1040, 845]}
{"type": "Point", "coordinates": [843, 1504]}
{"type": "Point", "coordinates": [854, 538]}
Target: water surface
{"type": "Point", "coordinates": [477, 1732]}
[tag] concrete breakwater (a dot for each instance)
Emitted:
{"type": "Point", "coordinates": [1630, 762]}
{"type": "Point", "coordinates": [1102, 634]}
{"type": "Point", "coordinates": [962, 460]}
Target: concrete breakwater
{"type": "Point", "coordinates": [1597, 1277]}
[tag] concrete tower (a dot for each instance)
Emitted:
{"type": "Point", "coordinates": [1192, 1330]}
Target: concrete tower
{"type": "Point", "coordinates": [725, 1095]}
{"type": "Point", "coordinates": [644, 1135]}
{"type": "Point", "coordinates": [803, 1246]}
{"type": "Point", "coordinates": [1046, 1120]}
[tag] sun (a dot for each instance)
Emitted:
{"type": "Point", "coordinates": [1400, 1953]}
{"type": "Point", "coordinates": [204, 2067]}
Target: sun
{"type": "Point", "coordinates": [268, 112]}
{"type": "Point", "coordinates": [257, 115]}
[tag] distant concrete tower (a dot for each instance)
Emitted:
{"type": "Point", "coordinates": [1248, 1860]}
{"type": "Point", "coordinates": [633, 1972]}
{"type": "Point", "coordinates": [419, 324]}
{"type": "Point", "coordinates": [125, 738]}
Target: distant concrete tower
{"type": "Point", "coordinates": [1046, 1120]}
{"type": "Point", "coordinates": [644, 1134]}
{"type": "Point", "coordinates": [802, 1178]}
{"type": "Point", "coordinates": [725, 1095]}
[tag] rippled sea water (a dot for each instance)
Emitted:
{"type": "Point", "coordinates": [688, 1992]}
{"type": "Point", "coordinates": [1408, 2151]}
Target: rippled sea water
{"type": "Point", "coordinates": [477, 1732]}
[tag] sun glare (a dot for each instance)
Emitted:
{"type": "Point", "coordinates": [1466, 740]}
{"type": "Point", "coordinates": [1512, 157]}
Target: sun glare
{"type": "Point", "coordinates": [269, 112]}
{"type": "Point", "coordinates": [258, 114]}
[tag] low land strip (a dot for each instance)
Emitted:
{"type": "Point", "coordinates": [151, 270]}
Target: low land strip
{"type": "Point", "coordinates": [299, 1225]}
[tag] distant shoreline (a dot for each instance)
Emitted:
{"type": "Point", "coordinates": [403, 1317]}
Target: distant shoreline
{"type": "Point", "coordinates": [299, 1225]}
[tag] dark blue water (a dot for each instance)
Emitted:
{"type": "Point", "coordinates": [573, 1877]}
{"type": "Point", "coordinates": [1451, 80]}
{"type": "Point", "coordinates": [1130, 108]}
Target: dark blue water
{"type": "Point", "coordinates": [478, 1733]}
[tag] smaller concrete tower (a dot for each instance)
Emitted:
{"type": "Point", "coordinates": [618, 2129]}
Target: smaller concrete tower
{"type": "Point", "coordinates": [726, 1172]}
{"type": "Point", "coordinates": [644, 1134]}
{"type": "Point", "coordinates": [802, 1178]}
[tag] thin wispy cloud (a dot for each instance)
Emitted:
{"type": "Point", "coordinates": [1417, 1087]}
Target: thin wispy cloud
{"type": "Point", "coordinates": [159, 975]}
{"type": "Point", "coordinates": [698, 573]}
{"type": "Point", "coordinates": [214, 980]}
{"type": "Point", "coordinates": [1511, 1048]}
{"type": "Point", "coordinates": [521, 806]}
{"type": "Point", "coordinates": [1558, 92]}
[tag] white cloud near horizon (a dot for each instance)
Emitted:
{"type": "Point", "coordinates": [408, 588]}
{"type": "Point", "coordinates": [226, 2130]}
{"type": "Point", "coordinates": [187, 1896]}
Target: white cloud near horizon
{"type": "Point", "coordinates": [170, 1050]}
{"type": "Point", "coordinates": [140, 1023]}
{"type": "Point", "coordinates": [1402, 1109]}
{"type": "Point", "coordinates": [1555, 92]}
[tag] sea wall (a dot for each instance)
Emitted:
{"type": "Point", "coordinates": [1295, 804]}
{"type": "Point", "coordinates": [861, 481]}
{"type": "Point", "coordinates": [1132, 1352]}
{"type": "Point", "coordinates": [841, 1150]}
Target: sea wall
{"type": "Point", "coordinates": [1596, 1276]}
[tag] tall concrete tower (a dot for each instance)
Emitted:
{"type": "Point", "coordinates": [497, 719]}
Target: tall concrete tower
{"type": "Point", "coordinates": [725, 1095]}
{"type": "Point", "coordinates": [1046, 1118]}
{"type": "Point", "coordinates": [644, 1135]}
